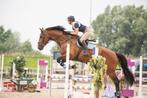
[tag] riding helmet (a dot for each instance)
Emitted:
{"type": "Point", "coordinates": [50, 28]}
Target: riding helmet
{"type": "Point", "coordinates": [71, 18]}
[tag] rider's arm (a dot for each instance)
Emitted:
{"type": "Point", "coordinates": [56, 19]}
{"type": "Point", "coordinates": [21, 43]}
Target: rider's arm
{"type": "Point", "coordinates": [76, 28]}
{"type": "Point", "coordinates": [75, 32]}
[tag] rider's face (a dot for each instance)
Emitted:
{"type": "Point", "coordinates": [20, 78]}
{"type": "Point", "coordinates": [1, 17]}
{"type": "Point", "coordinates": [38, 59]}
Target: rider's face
{"type": "Point", "coordinates": [70, 22]}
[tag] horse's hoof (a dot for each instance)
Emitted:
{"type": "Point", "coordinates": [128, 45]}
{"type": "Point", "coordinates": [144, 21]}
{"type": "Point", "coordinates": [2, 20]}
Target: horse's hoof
{"type": "Point", "coordinates": [117, 94]}
{"type": "Point", "coordinates": [73, 67]}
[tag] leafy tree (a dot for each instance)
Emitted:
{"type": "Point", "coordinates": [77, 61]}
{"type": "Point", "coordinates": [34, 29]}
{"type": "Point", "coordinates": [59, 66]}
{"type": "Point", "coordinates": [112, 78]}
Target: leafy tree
{"type": "Point", "coordinates": [10, 42]}
{"type": "Point", "coordinates": [26, 47]}
{"type": "Point", "coordinates": [123, 29]}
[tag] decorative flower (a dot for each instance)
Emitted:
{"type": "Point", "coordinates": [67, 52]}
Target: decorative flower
{"type": "Point", "coordinates": [98, 68]}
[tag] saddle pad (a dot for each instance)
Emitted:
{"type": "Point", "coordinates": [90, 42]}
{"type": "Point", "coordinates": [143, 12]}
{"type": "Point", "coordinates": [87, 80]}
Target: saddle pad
{"type": "Point", "coordinates": [91, 45]}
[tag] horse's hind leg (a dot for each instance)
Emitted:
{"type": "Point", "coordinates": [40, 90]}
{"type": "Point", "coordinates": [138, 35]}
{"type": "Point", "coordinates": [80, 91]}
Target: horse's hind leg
{"type": "Point", "coordinates": [115, 80]}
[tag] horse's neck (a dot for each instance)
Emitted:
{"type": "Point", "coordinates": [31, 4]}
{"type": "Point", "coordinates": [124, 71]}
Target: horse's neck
{"type": "Point", "coordinates": [58, 36]}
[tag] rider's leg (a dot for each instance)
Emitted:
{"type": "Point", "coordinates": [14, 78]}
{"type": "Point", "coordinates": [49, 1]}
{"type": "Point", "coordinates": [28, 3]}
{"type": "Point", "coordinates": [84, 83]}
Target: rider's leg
{"type": "Point", "coordinates": [86, 35]}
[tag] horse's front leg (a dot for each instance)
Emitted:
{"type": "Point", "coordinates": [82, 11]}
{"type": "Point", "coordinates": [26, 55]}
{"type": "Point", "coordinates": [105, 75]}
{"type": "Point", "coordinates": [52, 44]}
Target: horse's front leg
{"type": "Point", "coordinates": [61, 61]}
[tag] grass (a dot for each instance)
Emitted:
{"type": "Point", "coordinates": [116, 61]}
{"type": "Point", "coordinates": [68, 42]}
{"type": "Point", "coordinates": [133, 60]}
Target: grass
{"type": "Point", "coordinates": [31, 60]}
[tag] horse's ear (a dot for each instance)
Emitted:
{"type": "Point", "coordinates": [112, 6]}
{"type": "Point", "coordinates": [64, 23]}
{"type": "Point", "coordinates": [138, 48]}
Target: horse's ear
{"type": "Point", "coordinates": [41, 29]}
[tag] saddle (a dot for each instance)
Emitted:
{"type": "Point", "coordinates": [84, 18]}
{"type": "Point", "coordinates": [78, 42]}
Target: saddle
{"type": "Point", "coordinates": [88, 44]}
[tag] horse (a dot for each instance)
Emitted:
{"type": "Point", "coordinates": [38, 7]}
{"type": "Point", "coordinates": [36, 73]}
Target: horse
{"type": "Point", "coordinates": [62, 37]}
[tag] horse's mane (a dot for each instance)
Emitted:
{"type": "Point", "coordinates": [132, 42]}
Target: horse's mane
{"type": "Point", "coordinates": [60, 28]}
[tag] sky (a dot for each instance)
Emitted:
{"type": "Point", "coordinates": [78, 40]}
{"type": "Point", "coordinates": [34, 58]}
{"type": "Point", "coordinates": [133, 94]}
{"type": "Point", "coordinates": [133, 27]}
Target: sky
{"type": "Point", "coordinates": [27, 16]}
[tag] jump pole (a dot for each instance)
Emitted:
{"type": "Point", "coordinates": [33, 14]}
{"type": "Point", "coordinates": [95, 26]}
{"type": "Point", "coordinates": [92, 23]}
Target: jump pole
{"type": "Point", "coordinates": [42, 63]}
{"type": "Point", "coordinates": [13, 71]}
{"type": "Point", "coordinates": [50, 78]}
{"type": "Point", "coordinates": [140, 79]}
{"type": "Point", "coordinates": [46, 73]}
{"type": "Point", "coordinates": [67, 71]}
{"type": "Point", "coordinates": [96, 53]}
{"type": "Point", "coordinates": [2, 67]}
{"type": "Point", "coordinates": [38, 68]}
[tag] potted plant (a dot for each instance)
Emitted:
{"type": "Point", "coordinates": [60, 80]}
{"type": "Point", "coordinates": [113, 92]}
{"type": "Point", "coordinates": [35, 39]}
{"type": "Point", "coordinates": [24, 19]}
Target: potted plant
{"type": "Point", "coordinates": [19, 65]}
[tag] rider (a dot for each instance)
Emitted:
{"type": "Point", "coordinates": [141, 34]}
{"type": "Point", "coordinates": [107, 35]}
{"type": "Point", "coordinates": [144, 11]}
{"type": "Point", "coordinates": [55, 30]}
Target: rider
{"type": "Point", "coordinates": [78, 27]}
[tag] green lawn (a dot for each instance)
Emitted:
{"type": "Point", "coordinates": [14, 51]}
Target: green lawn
{"type": "Point", "coordinates": [31, 61]}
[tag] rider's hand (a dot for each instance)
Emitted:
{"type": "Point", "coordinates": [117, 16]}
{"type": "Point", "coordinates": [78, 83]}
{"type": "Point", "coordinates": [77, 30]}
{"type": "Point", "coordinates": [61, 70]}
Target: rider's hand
{"type": "Point", "coordinates": [74, 33]}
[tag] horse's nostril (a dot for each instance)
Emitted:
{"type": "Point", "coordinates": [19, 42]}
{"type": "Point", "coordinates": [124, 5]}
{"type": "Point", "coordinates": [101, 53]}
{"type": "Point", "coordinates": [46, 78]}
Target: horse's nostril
{"type": "Point", "coordinates": [40, 48]}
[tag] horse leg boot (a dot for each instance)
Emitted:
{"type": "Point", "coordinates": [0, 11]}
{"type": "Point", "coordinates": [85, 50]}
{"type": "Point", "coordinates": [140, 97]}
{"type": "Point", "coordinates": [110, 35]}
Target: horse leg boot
{"type": "Point", "coordinates": [61, 62]}
{"type": "Point", "coordinates": [116, 82]}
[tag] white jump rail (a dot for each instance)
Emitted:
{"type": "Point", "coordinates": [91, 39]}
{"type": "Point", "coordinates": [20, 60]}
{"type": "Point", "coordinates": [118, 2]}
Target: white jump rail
{"type": "Point", "coordinates": [67, 71]}
{"type": "Point", "coordinates": [2, 68]}
{"type": "Point", "coordinates": [140, 95]}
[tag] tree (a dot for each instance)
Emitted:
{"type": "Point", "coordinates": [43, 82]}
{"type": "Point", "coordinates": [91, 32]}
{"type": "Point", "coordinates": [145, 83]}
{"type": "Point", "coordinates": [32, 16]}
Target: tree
{"type": "Point", "coordinates": [123, 29]}
{"type": "Point", "coordinates": [26, 47]}
{"type": "Point", "coordinates": [8, 40]}
{"type": "Point", "coordinates": [12, 43]}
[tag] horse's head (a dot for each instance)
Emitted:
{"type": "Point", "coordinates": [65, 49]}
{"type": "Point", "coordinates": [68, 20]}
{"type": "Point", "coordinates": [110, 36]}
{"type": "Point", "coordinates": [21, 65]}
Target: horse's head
{"type": "Point", "coordinates": [43, 40]}
{"type": "Point", "coordinates": [55, 33]}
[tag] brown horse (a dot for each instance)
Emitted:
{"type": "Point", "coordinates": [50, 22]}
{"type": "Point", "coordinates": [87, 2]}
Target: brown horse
{"type": "Point", "coordinates": [61, 37]}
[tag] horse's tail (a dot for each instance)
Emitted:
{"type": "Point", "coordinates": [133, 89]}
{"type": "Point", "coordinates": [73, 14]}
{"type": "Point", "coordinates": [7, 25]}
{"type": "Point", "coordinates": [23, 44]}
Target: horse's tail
{"type": "Point", "coordinates": [128, 74]}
